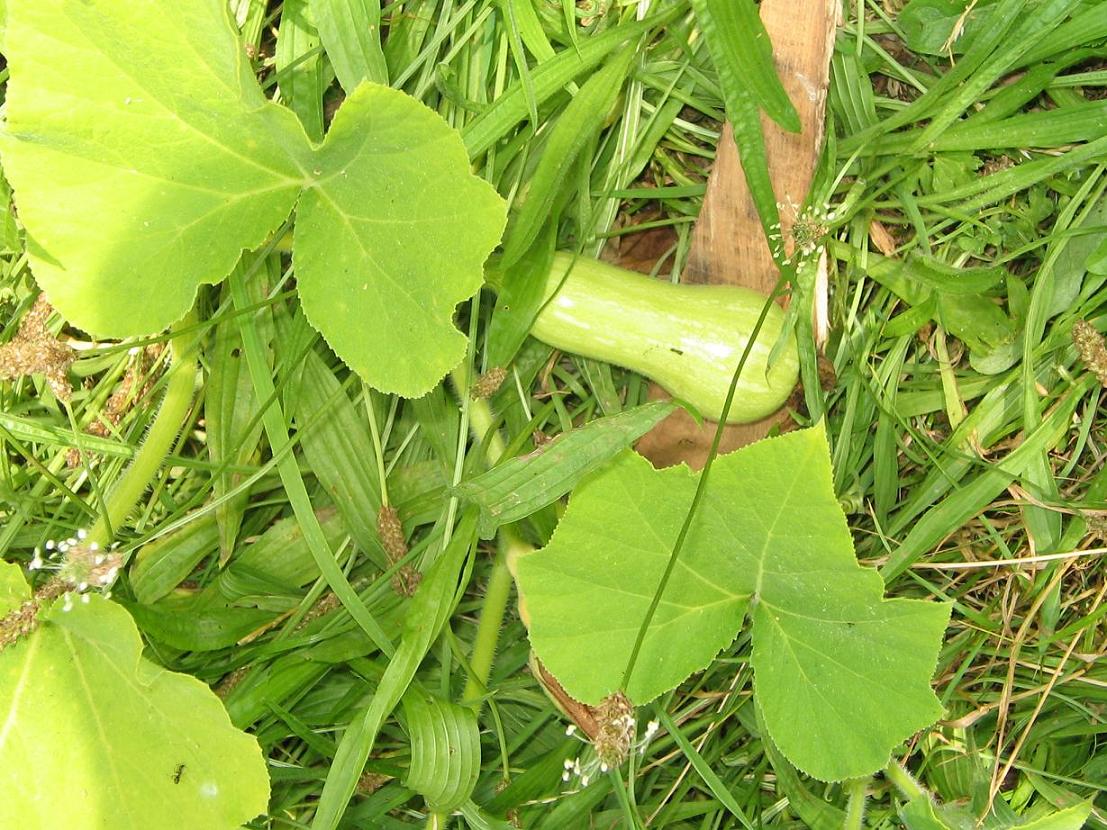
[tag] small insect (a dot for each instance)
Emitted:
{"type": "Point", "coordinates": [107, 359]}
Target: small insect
{"type": "Point", "coordinates": [177, 773]}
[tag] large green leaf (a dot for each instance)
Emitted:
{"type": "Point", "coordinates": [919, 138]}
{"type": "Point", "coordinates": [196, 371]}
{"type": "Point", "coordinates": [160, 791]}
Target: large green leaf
{"type": "Point", "coordinates": [841, 674]}
{"type": "Point", "coordinates": [96, 736]}
{"type": "Point", "coordinates": [392, 237]}
{"type": "Point", "coordinates": [145, 158]}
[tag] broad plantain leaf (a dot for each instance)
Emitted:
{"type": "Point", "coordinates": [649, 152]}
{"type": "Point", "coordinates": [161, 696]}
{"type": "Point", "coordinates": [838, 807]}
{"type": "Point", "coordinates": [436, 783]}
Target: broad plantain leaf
{"type": "Point", "coordinates": [144, 749]}
{"type": "Point", "coordinates": [841, 674]}
{"type": "Point", "coordinates": [145, 158]}
{"type": "Point", "coordinates": [516, 488]}
{"type": "Point", "coordinates": [445, 750]}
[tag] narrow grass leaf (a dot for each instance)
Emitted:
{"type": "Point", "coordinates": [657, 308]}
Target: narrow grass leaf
{"type": "Point", "coordinates": [336, 443]}
{"type": "Point", "coordinates": [282, 679]}
{"type": "Point", "coordinates": [813, 810]}
{"type": "Point", "coordinates": [995, 187]}
{"type": "Point", "coordinates": [1064, 125]}
{"type": "Point", "coordinates": [230, 411]}
{"type": "Point", "coordinates": [351, 33]}
{"type": "Point", "coordinates": [549, 77]}
{"type": "Point", "coordinates": [427, 612]}
{"type": "Point", "coordinates": [1004, 16]}
{"type": "Point", "coordinates": [1088, 26]}
{"type": "Point", "coordinates": [578, 124]}
{"type": "Point", "coordinates": [974, 496]}
{"type": "Point", "coordinates": [750, 139]}
{"type": "Point", "coordinates": [743, 56]}
{"type": "Point", "coordinates": [530, 29]}
{"type": "Point", "coordinates": [508, 9]}
{"type": "Point", "coordinates": [1031, 28]}
{"type": "Point", "coordinates": [276, 430]}
{"type": "Point", "coordinates": [1012, 97]}
{"type": "Point", "coordinates": [715, 784]}
{"type": "Point", "coordinates": [299, 65]}
{"type": "Point", "coordinates": [278, 562]}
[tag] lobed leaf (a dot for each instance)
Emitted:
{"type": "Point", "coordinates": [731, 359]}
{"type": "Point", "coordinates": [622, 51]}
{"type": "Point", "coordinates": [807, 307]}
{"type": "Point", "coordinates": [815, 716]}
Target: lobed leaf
{"type": "Point", "coordinates": [145, 159]}
{"type": "Point", "coordinates": [841, 674]}
{"type": "Point", "coordinates": [380, 276]}
{"type": "Point", "coordinates": [138, 174]}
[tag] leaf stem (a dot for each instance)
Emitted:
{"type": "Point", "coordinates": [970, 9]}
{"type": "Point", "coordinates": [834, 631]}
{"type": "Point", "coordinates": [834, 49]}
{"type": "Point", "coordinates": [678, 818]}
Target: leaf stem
{"type": "Point", "coordinates": [855, 806]}
{"type": "Point", "coordinates": [498, 591]}
{"type": "Point", "coordinates": [167, 424]}
{"type": "Point", "coordinates": [493, 608]}
{"type": "Point", "coordinates": [902, 780]}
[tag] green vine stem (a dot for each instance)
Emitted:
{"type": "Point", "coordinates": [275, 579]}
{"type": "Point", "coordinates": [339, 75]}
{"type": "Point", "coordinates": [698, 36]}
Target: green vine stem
{"type": "Point", "coordinates": [494, 607]}
{"type": "Point", "coordinates": [169, 421]}
{"type": "Point", "coordinates": [857, 790]}
{"type": "Point", "coordinates": [498, 591]}
{"type": "Point", "coordinates": [901, 779]}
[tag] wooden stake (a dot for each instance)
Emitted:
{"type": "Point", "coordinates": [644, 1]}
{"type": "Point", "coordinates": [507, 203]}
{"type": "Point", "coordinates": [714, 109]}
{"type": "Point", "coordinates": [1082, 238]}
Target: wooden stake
{"type": "Point", "coordinates": [728, 244]}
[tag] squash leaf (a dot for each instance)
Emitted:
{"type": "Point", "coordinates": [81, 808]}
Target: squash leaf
{"type": "Point", "coordinates": [841, 674]}
{"type": "Point", "coordinates": [144, 748]}
{"type": "Point", "coordinates": [145, 158]}
{"type": "Point", "coordinates": [393, 238]}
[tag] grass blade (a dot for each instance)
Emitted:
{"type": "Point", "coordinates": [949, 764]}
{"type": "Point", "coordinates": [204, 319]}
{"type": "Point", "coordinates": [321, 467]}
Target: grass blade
{"type": "Point", "coordinates": [548, 78]}
{"type": "Point", "coordinates": [578, 125]}
{"type": "Point", "coordinates": [713, 782]}
{"type": "Point", "coordinates": [350, 31]}
{"type": "Point", "coordinates": [429, 610]}
{"type": "Point", "coordinates": [740, 47]}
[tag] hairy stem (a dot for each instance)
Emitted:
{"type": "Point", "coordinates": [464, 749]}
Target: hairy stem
{"type": "Point", "coordinates": [855, 807]}
{"type": "Point", "coordinates": [496, 597]}
{"type": "Point", "coordinates": [901, 779]}
{"type": "Point", "coordinates": [498, 592]}
{"type": "Point", "coordinates": [163, 432]}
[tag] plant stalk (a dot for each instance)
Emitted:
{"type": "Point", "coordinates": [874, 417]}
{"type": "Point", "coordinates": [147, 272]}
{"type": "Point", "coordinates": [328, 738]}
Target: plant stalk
{"type": "Point", "coordinates": [509, 545]}
{"type": "Point", "coordinates": [855, 806]}
{"type": "Point", "coordinates": [496, 597]}
{"type": "Point", "coordinates": [901, 779]}
{"type": "Point", "coordinates": [169, 421]}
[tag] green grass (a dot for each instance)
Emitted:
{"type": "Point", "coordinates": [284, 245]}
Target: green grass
{"type": "Point", "coordinates": [966, 431]}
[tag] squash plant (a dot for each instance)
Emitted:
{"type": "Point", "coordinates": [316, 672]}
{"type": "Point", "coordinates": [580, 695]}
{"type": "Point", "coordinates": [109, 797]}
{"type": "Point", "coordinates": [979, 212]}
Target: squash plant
{"type": "Point", "coordinates": [145, 159]}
